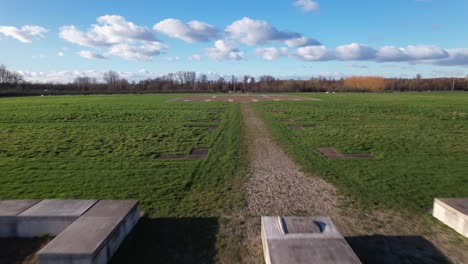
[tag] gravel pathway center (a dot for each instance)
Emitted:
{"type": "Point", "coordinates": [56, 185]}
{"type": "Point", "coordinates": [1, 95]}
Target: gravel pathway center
{"type": "Point", "coordinates": [277, 186]}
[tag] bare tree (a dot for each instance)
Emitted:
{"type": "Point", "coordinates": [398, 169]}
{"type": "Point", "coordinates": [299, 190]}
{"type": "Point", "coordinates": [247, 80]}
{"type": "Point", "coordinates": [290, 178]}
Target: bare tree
{"type": "Point", "coordinates": [9, 77]}
{"type": "Point", "coordinates": [85, 83]}
{"type": "Point", "coordinates": [267, 78]}
{"type": "Point", "coordinates": [111, 77]}
{"type": "Point", "coordinates": [202, 78]}
{"type": "Point", "coordinates": [233, 81]}
{"type": "Point", "coordinates": [190, 78]}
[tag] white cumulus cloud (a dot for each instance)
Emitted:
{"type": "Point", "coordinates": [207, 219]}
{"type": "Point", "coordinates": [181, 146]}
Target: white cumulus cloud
{"type": "Point", "coordinates": [144, 52]}
{"type": "Point", "coordinates": [355, 51]}
{"type": "Point", "coordinates": [411, 53]}
{"type": "Point", "coordinates": [224, 50]}
{"type": "Point", "coordinates": [253, 32]}
{"type": "Point", "coordinates": [193, 31]}
{"type": "Point", "coordinates": [24, 34]}
{"type": "Point", "coordinates": [315, 53]}
{"type": "Point", "coordinates": [306, 5]}
{"type": "Point", "coordinates": [90, 55]}
{"type": "Point", "coordinates": [271, 54]}
{"type": "Point", "coordinates": [110, 30]}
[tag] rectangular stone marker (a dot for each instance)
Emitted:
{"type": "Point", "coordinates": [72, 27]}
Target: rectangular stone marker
{"type": "Point", "coordinates": [452, 212]}
{"type": "Point", "coordinates": [50, 216]}
{"type": "Point", "coordinates": [95, 236]}
{"type": "Point", "coordinates": [295, 240]}
{"type": "Point", "coordinates": [9, 209]}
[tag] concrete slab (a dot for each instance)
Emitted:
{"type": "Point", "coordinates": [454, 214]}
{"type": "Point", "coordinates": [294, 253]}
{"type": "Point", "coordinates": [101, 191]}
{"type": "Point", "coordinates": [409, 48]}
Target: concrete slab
{"type": "Point", "coordinates": [95, 236]}
{"type": "Point", "coordinates": [452, 212]}
{"type": "Point", "coordinates": [331, 153]}
{"type": "Point", "coordinates": [9, 209]}
{"type": "Point", "coordinates": [59, 208]}
{"type": "Point", "coordinates": [15, 207]}
{"type": "Point", "coordinates": [50, 217]}
{"type": "Point", "coordinates": [296, 240]}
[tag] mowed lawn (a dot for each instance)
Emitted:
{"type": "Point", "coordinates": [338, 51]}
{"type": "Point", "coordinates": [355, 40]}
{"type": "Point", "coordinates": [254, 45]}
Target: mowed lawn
{"type": "Point", "coordinates": [420, 141]}
{"type": "Point", "coordinates": [105, 147]}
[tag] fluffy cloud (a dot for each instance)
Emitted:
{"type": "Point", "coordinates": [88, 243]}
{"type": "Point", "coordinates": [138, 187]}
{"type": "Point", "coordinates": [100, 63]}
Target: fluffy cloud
{"type": "Point", "coordinates": [193, 31]}
{"type": "Point", "coordinates": [90, 55]}
{"type": "Point", "coordinates": [411, 53]}
{"type": "Point", "coordinates": [271, 54]}
{"type": "Point", "coordinates": [301, 42]}
{"type": "Point", "coordinates": [24, 34]}
{"type": "Point", "coordinates": [253, 32]}
{"type": "Point", "coordinates": [306, 5]}
{"type": "Point", "coordinates": [355, 51]}
{"type": "Point", "coordinates": [110, 30]}
{"type": "Point", "coordinates": [315, 53]}
{"type": "Point", "coordinates": [224, 50]}
{"type": "Point", "coordinates": [425, 54]}
{"type": "Point", "coordinates": [391, 53]}
{"type": "Point", "coordinates": [122, 38]}
{"type": "Point", "coordinates": [456, 57]}
{"type": "Point", "coordinates": [145, 51]}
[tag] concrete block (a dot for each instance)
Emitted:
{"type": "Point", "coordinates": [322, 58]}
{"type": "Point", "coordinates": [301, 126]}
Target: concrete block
{"type": "Point", "coordinates": [9, 209]}
{"type": "Point", "coordinates": [295, 240]}
{"type": "Point", "coordinates": [50, 216]}
{"type": "Point", "coordinates": [453, 212]}
{"type": "Point", "coordinates": [95, 236]}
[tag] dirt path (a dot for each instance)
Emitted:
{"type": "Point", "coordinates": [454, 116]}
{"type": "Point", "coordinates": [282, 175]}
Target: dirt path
{"type": "Point", "coordinates": [277, 186]}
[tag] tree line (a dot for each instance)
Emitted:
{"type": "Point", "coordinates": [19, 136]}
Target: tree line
{"type": "Point", "coordinates": [13, 84]}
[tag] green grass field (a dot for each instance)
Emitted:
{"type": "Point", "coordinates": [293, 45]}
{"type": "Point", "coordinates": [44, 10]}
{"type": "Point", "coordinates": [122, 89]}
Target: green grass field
{"type": "Point", "coordinates": [104, 147]}
{"type": "Point", "coordinates": [420, 140]}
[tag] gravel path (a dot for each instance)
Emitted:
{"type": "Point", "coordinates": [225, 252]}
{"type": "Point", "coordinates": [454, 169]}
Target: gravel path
{"type": "Point", "coordinates": [277, 186]}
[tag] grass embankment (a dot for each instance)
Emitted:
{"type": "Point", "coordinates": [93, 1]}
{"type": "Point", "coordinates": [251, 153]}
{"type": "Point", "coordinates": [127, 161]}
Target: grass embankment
{"type": "Point", "coordinates": [104, 147]}
{"type": "Point", "coordinates": [420, 140]}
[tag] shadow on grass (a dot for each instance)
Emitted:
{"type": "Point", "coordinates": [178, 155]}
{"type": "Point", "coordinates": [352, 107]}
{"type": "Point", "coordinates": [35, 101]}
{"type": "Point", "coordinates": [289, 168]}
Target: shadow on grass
{"type": "Point", "coordinates": [170, 240]}
{"type": "Point", "coordinates": [395, 249]}
{"type": "Point", "coordinates": [20, 250]}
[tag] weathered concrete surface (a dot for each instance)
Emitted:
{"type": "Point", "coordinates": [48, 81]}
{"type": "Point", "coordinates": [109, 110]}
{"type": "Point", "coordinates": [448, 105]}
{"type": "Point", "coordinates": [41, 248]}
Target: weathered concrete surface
{"type": "Point", "coordinates": [59, 208]}
{"type": "Point", "coordinates": [9, 209]}
{"type": "Point", "coordinates": [50, 217]}
{"type": "Point", "coordinates": [325, 246]}
{"type": "Point", "coordinates": [95, 236]}
{"type": "Point", "coordinates": [15, 207]}
{"type": "Point", "coordinates": [453, 212]}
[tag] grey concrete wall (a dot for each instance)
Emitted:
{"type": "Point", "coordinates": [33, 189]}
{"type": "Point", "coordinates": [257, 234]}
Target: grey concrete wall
{"type": "Point", "coordinates": [452, 212]}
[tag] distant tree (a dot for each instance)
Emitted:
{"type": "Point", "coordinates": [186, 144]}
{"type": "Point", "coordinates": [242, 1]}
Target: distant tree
{"type": "Point", "coordinates": [9, 77]}
{"type": "Point", "coordinates": [111, 77]}
{"type": "Point", "coordinates": [202, 78]}
{"type": "Point", "coordinates": [233, 82]}
{"type": "Point", "coordinates": [85, 83]}
{"type": "Point", "coordinates": [267, 78]}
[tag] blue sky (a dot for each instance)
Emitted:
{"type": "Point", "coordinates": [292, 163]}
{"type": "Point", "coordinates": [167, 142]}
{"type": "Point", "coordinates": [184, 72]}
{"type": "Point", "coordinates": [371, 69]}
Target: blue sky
{"type": "Point", "coordinates": [60, 40]}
